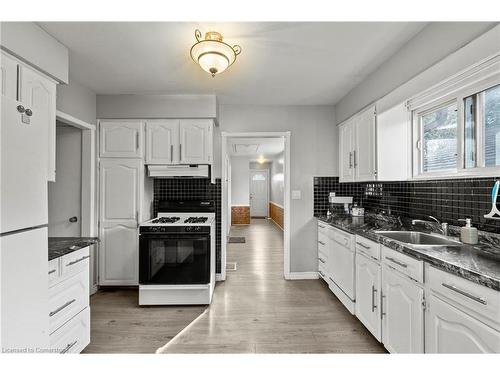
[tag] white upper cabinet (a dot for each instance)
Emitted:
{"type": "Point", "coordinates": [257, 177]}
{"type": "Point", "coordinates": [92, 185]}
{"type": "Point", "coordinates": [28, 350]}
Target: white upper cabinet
{"type": "Point", "coordinates": [8, 77]}
{"type": "Point", "coordinates": [368, 283]}
{"type": "Point", "coordinates": [394, 144]}
{"type": "Point", "coordinates": [402, 313]}
{"type": "Point", "coordinates": [357, 147]}
{"type": "Point", "coordinates": [196, 141]}
{"type": "Point", "coordinates": [346, 147]}
{"type": "Point", "coordinates": [121, 138]}
{"type": "Point", "coordinates": [365, 157]}
{"type": "Point", "coordinates": [162, 142]}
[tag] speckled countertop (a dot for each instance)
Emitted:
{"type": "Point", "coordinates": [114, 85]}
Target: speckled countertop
{"type": "Point", "coordinates": [59, 246]}
{"type": "Point", "coordinates": [479, 263]}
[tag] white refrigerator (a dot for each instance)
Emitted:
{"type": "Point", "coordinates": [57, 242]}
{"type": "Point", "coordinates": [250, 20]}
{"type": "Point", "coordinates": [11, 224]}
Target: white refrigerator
{"type": "Point", "coordinates": [23, 228]}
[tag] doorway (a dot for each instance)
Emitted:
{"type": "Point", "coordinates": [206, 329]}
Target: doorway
{"type": "Point", "coordinates": [256, 187]}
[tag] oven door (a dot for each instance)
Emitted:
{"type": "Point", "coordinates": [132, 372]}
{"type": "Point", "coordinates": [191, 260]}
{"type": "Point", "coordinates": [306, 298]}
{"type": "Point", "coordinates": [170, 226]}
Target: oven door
{"type": "Point", "coordinates": [174, 259]}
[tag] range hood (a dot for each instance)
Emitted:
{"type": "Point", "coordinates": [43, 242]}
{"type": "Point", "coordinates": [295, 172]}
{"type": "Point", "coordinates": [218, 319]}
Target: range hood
{"type": "Point", "coordinates": [178, 171]}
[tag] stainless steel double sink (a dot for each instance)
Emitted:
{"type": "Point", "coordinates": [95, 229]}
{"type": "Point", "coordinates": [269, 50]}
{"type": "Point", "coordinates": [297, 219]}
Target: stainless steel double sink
{"type": "Point", "coordinates": [419, 239]}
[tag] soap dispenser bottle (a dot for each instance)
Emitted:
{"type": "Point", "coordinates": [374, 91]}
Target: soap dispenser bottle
{"type": "Point", "coordinates": [468, 234]}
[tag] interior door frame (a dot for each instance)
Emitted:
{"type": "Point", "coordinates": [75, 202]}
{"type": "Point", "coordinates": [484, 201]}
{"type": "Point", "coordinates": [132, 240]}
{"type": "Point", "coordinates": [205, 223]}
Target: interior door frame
{"type": "Point", "coordinates": [88, 221]}
{"type": "Point", "coordinates": [286, 202]}
{"type": "Point", "coordinates": [266, 171]}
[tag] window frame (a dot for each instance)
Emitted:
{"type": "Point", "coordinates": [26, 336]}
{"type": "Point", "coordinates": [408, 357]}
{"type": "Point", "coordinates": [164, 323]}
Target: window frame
{"type": "Point", "coordinates": [443, 97]}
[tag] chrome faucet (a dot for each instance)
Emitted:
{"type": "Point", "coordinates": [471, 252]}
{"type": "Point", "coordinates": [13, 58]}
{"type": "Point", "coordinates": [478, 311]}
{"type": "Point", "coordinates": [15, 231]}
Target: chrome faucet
{"type": "Point", "coordinates": [436, 224]}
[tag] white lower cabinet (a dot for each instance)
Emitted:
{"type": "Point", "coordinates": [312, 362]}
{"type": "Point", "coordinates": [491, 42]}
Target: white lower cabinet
{"type": "Point", "coordinates": [69, 311]}
{"type": "Point", "coordinates": [450, 330]}
{"type": "Point", "coordinates": [368, 284]}
{"type": "Point", "coordinates": [402, 302]}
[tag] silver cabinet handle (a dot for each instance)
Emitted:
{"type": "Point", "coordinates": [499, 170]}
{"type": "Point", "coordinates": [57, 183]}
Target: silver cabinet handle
{"type": "Point", "coordinates": [464, 293]}
{"type": "Point", "coordinates": [321, 273]}
{"type": "Point", "coordinates": [382, 304]}
{"type": "Point", "coordinates": [28, 112]}
{"type": "Point", "coordinates": [321, 226]}
{"type": "Point", "coordinates": [52, 313]}
{"type": "Point", "coordinates": [363, 245]}
{"type": "Point", "coordinates": [321, 260]}
{"type": "Point", "coordinates": [68, 347]}
{"type": "Point", "coordinates": [350, 160]}
{"type": "Point", "coordinates": [180, 152]}
{"type": "Point", "coordinates": [404, 265]}
{"type": "Point", "coordinates": [354, 158]}
{"type": "Point", "coordinates": [52, 271]}
{"type": "Point", "coordinates": [137, 141]}
{"type": "Point", "coordinates": [171, 153]}
{"type": "Point", "coordinates": [321, 242]}
{"type": "Point", "coordinates": [373, 298]}
{"type": "Point", "coordinates": [78, 260]}
{"type": "Point", "coordinates": [20, 109]}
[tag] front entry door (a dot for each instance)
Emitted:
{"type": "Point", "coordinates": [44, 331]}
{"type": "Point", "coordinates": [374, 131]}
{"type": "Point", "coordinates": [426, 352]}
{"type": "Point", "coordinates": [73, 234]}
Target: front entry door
{"type": "Point", "coordinates": [259, 185]}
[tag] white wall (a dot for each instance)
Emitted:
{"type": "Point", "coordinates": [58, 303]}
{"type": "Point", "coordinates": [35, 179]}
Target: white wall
{"type": "Point", "coordinates": [64, 195]}
{"type": "Point", "coordinates": [240, 168]}
{"type": "Point", "coordinates": [277, 179]}
{"type": "Point", "coordinates": [433, 46]}
{"type": "Point", "coordinates": [77, 100]}
{"type": "Point", "coordinates": [313, 153]}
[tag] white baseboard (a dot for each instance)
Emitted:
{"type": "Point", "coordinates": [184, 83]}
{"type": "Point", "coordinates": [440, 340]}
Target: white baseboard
{"type": "Point", "coordinates": [218, 277]}
{"type": "Point", "coordinates": [302, 275]}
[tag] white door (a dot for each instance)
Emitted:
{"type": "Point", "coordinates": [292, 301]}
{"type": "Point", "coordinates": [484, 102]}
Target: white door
{"type": "Point", "coordinates": [24, 290]}
{"type": "Point", "coordinates": [346, 151]}
{"type": "Point", "coordinates": [195, 141]}
{"type": "Point", "coordinates": [364, 157]}
{"type": "Point", "coordinates": [449, 330]}
{"type": "Point", "coordinates": [162, 142]}
{"type": "Point", "coordinates": [38, 94]}
{"type": "Point", "coordinates": [121, 138]}
{"type": "Point", "coordinates": [402, 313]}
{"type": "Point", "coordinates": [368, 294]}
{"type": "Point", "coordinates": [259, 192]}
{"type": "Point", "coordinates": [65, 194]}
{"type": "Point", "coordinates": [120, 185]}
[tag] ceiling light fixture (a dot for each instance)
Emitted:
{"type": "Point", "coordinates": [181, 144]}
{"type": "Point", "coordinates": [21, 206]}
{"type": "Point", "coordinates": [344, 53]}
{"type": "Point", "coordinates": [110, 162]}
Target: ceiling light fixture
{"type": "Point", "coordinates": [212, 54]}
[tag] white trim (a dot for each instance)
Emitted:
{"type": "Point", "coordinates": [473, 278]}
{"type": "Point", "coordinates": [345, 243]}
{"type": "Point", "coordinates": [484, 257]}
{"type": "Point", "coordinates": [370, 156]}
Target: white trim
{"type": "Point", "coordinates": [73, 121]}
{"type": "Point", "coordinates": [268, 180]}
{"type": "Point", "coordinates": [302, 276]}
{"type": "Point", "coordinates": [287, 203]}
{"type": "Point", "coordinates": [218, 277]}
{"type": "Point", "coordinates": [276, 204]}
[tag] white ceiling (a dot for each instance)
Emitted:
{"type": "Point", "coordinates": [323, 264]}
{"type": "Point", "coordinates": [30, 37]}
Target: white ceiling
{"type": "Point", "coordinates": [281, 63]}
{"type": "Point", "coordinates": [255, 148]}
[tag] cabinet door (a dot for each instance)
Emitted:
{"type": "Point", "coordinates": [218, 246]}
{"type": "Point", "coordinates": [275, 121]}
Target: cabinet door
{"type": "Point", "coordinates": [449, 330]}
{"type": "Point", "coordinates": [364, 154]}
{"type": "Point", "coordinates": [368, 294]}
{"type": "Point", "coordinates": [196, 141]}
{"type": "Point", "coordinates": [402, 313]}
{"type": "Point", "coordinates": [8, 76]}
{"type": "Point", "coordinates": [121, 139]}
{"type": "Point", "coordinates": [342, 267]}
{"type": "Point", "coordinates": [120, 191]}
{"type": "Point", "coordinates": [38, 94]}
{"type": "Point", "coordinates": [162, 142]}
{"type": "Point", "coordinates": [346, 148]}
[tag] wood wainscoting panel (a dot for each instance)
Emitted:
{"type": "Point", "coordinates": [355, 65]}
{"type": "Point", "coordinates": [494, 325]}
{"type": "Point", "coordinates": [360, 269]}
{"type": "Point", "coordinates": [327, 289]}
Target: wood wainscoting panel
{"type": "Point", "coordinates": [240, 215]}
{"type": "Point", "coordinates": [276, 214]}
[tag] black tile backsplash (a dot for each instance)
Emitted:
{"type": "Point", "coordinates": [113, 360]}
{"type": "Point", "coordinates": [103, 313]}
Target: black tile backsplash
{"type": "Point", "coordinates": [447, 200]}
{"type": "Point", "coordinates": [177, 189]}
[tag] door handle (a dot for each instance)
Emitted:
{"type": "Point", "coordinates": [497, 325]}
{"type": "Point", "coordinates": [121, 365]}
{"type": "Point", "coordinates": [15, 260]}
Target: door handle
{"type": "Point", "coordinates": [373, 298]}
{"type": "Point", "coordinates": [354, 158]}
{"type": "Point", "coordinates": [73, 219]}
{"type": "Point", "coordinates": [464, 293]}
{"type": "Point", "coordinates": [171, 153]}
{"type": "Point", "coordinates": [136, 141]}
{"type": "Point", "coordinates": [350, 160]}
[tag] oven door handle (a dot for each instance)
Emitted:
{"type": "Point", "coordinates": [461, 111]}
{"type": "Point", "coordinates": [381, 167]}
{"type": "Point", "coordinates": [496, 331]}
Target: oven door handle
{"type": "Point", "coordinates": [171, 237]}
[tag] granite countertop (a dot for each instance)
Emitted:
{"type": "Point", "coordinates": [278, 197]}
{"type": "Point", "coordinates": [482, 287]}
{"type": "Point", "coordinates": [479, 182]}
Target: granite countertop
{"type": "Point", "coordinates": [59, 246]}
{"type": "Point", "coordinates": [478, 263]}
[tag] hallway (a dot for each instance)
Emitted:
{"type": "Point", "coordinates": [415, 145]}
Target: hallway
{"type": "Point", "coordinates": [256, 311]}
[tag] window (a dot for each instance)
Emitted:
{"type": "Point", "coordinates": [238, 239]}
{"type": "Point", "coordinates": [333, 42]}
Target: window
{"type": "Point", "coordinates": [439, 139]}
{"type": "Point", "coordinates": [482, 122]}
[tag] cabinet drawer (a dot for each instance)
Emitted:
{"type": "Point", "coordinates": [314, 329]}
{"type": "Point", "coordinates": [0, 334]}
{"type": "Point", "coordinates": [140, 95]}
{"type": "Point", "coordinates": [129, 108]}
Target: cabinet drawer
{"type": "Point", "coordinates": [323, 228]}
{"type": "Point", "coordinates": [75, 262]}
{"type": "Point", "coordinates": [53, 271]}
{"type": "Point", "coordinates": [68, 298]}
{"type": "Point", "coordinates": [367, 247]}
{"type": "Point", "coordinates": [73, 336]}
{"type": "Point", "coordinates": [409, 266]}
{"type": "Point", "coordinates": [475, 297]}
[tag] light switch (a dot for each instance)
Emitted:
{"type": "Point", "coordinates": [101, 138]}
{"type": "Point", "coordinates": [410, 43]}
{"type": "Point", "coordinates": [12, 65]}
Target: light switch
{"type": "Point", "coordinates": [296, 194]}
